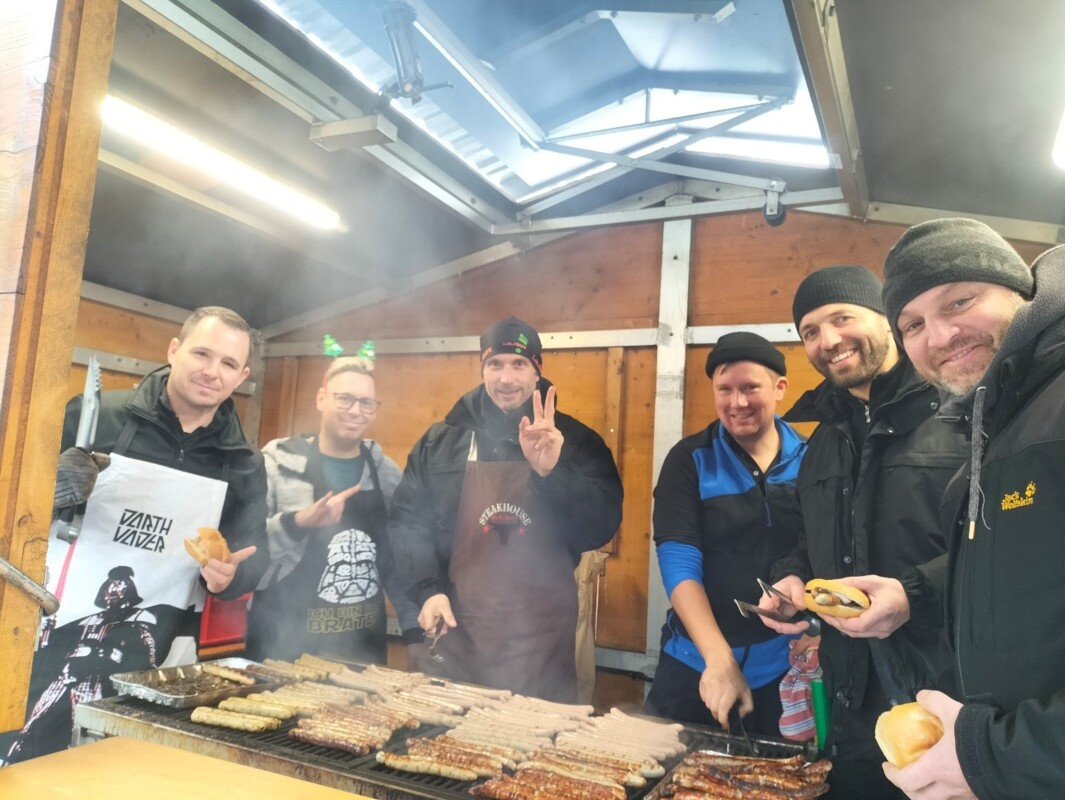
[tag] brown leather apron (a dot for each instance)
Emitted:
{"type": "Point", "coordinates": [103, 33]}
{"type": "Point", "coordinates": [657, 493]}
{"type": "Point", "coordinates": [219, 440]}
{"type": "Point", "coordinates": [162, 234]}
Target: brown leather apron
{"type": "Point", "coordinates": [512, 588]}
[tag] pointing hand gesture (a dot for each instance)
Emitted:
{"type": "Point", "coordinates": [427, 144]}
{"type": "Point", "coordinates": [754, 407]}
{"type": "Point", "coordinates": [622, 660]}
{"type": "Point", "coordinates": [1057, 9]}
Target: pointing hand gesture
{"type": "Point", "coordinates": [541, 441]}
{"type": "Point", "coordinates": [219, 574]}
{"type": "Point", "coordinates": [326, 510]}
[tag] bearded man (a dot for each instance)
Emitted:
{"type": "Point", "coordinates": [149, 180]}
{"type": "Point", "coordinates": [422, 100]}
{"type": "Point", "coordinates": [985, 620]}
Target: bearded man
{"type": "Point", "coordinates": [870, 487]}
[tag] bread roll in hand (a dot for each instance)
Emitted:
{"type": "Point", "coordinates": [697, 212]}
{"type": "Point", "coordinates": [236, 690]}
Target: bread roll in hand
{"type": "Point", "coordinates": [906, 732]}
{"type": "Point", "coordinates": [209, 544]}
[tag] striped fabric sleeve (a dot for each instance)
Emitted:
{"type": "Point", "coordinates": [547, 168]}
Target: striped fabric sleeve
{"type": "Point", "coordinates": [679, 562]}
{"type": "Point", "coordinates": [796, 696]}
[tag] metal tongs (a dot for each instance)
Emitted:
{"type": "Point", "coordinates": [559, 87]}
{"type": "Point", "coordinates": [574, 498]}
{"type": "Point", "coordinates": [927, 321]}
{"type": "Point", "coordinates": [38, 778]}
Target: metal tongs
{"type": "Point", "coordinates": [433, 636]}
{"type": "Point", "coordinates": [795, 615]}
{"type": "Point", "coordinates": [734, 714]}
{"type": "Point", "coordinates": [66, 528]}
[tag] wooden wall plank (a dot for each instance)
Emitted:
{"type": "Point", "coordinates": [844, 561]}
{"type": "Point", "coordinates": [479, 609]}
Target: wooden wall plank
{"type": "Point", "coordinates": [596, 280]}
{"type": "Point", "coordinates": [746, 272]}
{"type": "Point", "coordinates": [623, 589]}
{"type": "Point", "coordinates": [108, 329]}
{"type": "Point", "coordinates": [273, 376]}
{"type": "Point", "coordinates": [612, 415]}
{"type": "Point", "coordinates": [288, 394]}
{"type": "Point", "coordinates": [48, 149]}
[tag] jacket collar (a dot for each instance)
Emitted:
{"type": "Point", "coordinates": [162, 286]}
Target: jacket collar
{"type": "Point", "coordinates": [475, 411]}
{"type": "Point", "coordinates": [826, 403]}
{"type": "Point", "coordinates": [150, 401]}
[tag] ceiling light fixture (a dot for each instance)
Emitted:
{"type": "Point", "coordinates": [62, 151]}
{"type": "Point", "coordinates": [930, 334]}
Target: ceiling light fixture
{"type": "Point", "coordinates": [164, 138]}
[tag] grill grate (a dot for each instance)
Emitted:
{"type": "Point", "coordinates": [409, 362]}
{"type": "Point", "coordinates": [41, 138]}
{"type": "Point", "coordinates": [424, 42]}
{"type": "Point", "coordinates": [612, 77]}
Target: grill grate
{"type": "Point", "coordinates": [283, 751]}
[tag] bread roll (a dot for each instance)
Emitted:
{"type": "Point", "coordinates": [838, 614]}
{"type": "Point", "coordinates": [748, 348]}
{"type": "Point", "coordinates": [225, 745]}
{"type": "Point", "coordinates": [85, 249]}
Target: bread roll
{"type": "Point", "coordinates": [906, 732]}
{"type": "Point", "coordinates": [832, 598]}
{"type": "Point", "coordinates": [209, 544]}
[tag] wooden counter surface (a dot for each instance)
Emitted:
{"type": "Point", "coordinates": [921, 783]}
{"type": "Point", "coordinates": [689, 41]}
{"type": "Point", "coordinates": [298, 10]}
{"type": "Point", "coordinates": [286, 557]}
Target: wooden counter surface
{"type": "Point", "coordinates": [117, 768]}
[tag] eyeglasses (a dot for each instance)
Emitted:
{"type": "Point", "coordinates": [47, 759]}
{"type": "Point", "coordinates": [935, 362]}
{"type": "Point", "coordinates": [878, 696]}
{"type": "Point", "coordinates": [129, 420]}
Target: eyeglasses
{"type": "Point", "coordinates": [344, 402]}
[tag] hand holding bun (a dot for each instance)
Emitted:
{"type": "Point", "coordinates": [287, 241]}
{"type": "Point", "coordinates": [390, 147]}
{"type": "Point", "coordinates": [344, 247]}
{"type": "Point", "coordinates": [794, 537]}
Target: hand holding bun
{"type": "Point", "coordinates": [834, 598]}
{"type": "Point", "coordinates": [209, 544]}
{"type": "Point", "coordinates": [906, 732]}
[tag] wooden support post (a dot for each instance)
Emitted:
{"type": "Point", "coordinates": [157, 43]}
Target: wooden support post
{"type": "Point", "coordinates": [615, 370]}
{"type": "Point", "coordinates": [54, 60]}
{"type": "Point", "coordinates": [669, 398]}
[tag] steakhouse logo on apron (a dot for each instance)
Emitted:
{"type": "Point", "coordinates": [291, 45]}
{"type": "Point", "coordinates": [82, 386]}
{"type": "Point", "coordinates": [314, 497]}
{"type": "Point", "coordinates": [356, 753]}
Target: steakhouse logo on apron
{"type": "Point", "coordinates": [512, 588]}
{"type": "Point", "coordinates": [331, 604]}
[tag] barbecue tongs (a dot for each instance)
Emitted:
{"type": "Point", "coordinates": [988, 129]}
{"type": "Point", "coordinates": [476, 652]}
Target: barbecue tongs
{"type": "Point", "coordinates": [66, 526]}
{"type": "Point", "coordinates": [795, 615]}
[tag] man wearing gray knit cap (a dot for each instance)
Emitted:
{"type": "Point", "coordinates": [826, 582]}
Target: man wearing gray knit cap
{"type": "Point", "coordinates": [990, 332]}
{"type": "Point", "coordinates": [869, 488]}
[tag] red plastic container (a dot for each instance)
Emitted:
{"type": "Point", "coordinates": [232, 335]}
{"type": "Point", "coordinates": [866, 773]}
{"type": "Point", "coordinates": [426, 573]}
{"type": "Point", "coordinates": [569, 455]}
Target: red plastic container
{"type": "Point", "coordinates": [224, 621]}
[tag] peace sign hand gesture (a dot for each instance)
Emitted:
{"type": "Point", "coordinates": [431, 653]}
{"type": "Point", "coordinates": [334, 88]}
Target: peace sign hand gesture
{"type": "Point", "coordinates": [326, 510]}
{"type": "Point", "coordinates": [541, 441]}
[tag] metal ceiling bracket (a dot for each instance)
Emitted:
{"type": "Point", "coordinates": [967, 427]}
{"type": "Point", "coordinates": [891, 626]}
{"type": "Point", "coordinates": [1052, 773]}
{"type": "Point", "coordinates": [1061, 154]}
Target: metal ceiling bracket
{"type": "Point", "coordinates": [774, 211]}
{"type": "Point", "coordinates": [351, 134]}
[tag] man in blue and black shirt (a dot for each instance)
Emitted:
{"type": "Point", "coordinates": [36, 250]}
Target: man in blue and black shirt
{"type": "Point", "coordinates": [725, 511]}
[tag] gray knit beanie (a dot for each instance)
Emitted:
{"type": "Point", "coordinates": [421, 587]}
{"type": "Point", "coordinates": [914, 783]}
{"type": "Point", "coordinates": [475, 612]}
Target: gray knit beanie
{"type": "Point", "coordinates": [843, 284]}
{"type": "Point", "coordinates": [949, 251]}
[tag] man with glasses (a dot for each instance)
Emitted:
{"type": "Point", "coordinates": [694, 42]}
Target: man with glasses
{"type": "Point", "coordinates": [331, 560]}
{"type": "Point", "coordinates": [497, 503]}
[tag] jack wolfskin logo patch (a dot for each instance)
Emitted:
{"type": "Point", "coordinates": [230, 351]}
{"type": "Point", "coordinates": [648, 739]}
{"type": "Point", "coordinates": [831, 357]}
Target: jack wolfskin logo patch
{"type": "Point", "coordinates": [1016, 500]}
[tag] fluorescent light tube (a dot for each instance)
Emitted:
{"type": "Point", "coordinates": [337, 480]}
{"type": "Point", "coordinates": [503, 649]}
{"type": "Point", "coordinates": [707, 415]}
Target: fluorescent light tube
{"type": "Point", "coordinates": [164, 138]}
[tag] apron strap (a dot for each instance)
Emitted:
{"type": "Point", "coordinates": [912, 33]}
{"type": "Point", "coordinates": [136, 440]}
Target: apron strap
{"type": "Point", "coordinates": [125, 436]}
{"type": "Point", "coordinates": [368, 454]}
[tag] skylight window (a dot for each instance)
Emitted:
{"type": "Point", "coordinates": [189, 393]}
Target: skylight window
{"type": "Point", "coordinates": [503, 122]}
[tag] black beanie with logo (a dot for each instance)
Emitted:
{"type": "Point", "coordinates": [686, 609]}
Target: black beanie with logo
{"type": "Point", "coordinates": [515, 336]}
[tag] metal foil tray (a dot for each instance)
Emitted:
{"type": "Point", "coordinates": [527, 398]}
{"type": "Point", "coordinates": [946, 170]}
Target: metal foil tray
{"type": "Point", "coordinates": [187, 686]}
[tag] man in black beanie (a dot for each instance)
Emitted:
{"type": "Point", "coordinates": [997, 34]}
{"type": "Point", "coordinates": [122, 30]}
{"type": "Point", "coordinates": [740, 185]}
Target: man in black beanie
{"type": "Point", "coordinates": [990, 333]}
{"type": "Point", "coordinates": [495, 507]}
{"type": "Point", "coordinates": [869, 488]}
{"type": "Point", "coordinates": [725, 510]}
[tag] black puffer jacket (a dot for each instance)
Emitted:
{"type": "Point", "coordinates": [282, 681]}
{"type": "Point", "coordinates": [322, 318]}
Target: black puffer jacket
{"type": "Point", "coordinates": [885, 521]}
{"type": "Point", "coordinates": [218, 451]}
{"type": "Point", "coordinates": [1006, 607]}
{"type": "Point", "coordinates": [583, 492]}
